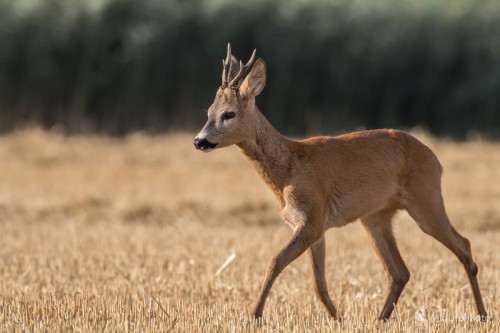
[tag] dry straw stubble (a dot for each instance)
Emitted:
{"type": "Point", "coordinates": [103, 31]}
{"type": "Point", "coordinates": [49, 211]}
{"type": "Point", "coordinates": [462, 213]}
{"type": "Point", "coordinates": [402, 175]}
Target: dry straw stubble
{"type": "Point", "coordinates": [128, 234]}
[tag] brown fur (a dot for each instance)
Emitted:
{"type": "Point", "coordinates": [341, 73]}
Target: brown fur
{"type": "Point", "coordinates": [326, 182]}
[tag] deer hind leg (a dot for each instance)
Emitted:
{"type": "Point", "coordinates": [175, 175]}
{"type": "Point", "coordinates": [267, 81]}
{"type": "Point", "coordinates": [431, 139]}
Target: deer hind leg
{"type": "Point", "coordinates": [429, 213]}
{"type": "Point", "coordinates": [302, 239]}
{"type": "Point", "coordinates": [378, 228]}
{"type": "Point", "coordinates": [317, 256]}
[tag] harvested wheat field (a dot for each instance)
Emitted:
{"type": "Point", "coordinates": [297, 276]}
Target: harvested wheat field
{"type": "Point", "coordinates": [106, 234]}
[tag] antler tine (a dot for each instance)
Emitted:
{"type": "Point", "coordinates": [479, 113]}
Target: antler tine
{"type": "Point", "coordinates": [225, 70]}
{"type": "Point", "coordinates": [235, 84]}
{"type": "Point", "coordinates": [237, 77]}
{"type": "Point", "coordinates": [226, 66]}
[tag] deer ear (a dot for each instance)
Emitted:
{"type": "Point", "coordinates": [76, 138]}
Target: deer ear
{"type": "Point", "coordinates": [255, 80]}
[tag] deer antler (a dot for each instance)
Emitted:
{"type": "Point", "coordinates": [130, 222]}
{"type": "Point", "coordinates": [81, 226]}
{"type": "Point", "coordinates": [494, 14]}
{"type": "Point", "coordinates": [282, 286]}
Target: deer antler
{"type": "Point", "coordinates": [235, 83]}
{"type": "Point", "coordinates": [226, 65]}
{"type": "Point", "coordinates": [226, 69]}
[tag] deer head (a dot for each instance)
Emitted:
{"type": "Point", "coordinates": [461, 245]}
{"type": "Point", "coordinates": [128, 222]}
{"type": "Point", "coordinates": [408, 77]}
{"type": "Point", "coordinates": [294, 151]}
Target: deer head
{"type": "Point", "coordinates": [230, 117]}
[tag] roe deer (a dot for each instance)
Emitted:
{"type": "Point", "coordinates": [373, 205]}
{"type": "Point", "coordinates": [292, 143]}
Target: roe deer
{"type": "Point", "coordinates": [326, 182]}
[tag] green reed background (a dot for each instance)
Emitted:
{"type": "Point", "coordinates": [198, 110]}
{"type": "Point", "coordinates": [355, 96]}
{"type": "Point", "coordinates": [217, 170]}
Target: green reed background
{"type": "Point", "coordinates": [116, 66]}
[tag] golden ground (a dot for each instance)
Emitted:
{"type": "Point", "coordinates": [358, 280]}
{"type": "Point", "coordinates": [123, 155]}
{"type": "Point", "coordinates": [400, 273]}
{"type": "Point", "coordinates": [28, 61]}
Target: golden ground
{"type": "Point", "coordinates": [128, 234]}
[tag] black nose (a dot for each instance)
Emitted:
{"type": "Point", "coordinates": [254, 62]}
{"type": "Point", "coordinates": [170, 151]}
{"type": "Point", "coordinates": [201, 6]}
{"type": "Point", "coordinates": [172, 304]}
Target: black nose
{"type": "Point", "coordinates": [203, 144]}
{"type": "Point", "coordinates": [198, 143]}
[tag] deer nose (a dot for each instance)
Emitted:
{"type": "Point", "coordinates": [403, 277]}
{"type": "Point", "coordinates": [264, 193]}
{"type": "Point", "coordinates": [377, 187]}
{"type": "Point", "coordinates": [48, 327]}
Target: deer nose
{"type": "Point", "coordinates": [198, 143]}
{"type": "Point", "coordinates": [203, 144]}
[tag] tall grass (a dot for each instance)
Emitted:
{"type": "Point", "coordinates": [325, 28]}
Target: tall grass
{"type": "Point", "coordinates": [121, 65]}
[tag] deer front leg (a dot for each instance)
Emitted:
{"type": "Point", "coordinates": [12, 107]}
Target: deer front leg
{"type": "Point", "coordinates": [317, 256]}
{"type": "Point", "coordinates": [302, 239]}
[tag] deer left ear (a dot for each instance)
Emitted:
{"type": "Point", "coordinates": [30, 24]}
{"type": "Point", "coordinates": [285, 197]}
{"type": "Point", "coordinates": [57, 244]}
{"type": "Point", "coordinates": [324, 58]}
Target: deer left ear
{"type": "Point", "coordinates": [255, 80]}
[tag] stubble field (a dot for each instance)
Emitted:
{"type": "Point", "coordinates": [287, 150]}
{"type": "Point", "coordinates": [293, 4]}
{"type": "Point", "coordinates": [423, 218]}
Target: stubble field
{"type": "Point", "coordinates": [131, 235]}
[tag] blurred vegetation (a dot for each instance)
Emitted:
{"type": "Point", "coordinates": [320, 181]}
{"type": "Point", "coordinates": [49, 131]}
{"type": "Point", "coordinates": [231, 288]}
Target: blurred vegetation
{"type": "Point", "coordinates": [122, 65]}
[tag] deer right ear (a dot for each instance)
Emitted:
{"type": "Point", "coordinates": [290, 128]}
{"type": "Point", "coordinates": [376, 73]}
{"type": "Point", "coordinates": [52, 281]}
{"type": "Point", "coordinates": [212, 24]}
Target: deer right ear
{"type": "Point", "coordinates": [255, 80]}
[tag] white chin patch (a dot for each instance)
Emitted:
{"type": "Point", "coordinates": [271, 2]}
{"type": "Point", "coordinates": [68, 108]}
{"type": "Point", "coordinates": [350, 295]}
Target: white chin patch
{"type": "Point", "coordinates": [207, 150]}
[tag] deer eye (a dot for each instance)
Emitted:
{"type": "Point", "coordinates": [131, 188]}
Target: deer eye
{"type": "Point", "coordinates": [228, 115]}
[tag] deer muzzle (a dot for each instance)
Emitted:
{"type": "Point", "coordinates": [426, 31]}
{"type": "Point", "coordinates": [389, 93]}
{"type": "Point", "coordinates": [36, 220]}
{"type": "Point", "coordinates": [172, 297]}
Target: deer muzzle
{"type": "Point", "coordinates": [204, 144]}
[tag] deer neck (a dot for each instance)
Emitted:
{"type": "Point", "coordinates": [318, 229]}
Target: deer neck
{"type": "Point", "coordinates": [269, 153]}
